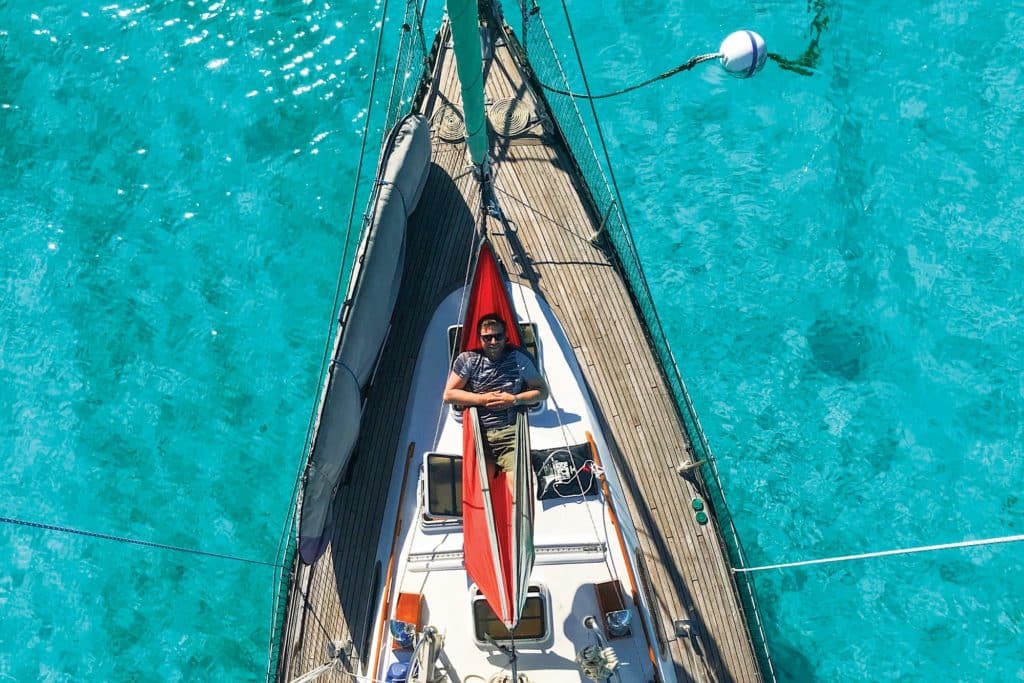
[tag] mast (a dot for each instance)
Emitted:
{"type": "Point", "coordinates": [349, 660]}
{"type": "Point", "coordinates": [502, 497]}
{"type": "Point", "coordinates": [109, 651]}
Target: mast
{"type": "Point", "coordinates": [497, 527]}
{"type": "Point", "coordinates": [465, 23]}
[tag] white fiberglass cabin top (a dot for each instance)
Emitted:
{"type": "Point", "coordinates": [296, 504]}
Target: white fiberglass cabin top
{"type": "Point", "coordinates": [588, 590]}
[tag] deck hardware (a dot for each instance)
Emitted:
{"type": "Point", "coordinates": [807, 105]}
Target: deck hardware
{"type": "Point", "coordinates": [403, 633]}
{"type": "Point", "coordinates": [618, 623]}
{"type": "Point", "coordinates": [683, 628]}
{"type": "Point", "coordinates": [698, 509]}
{"type": "Point", "coordinates": [595, 237]}
{"type": "Point", "coordinates": [684, 467]}
{"type": "Point", "coordinates": [339, 650]}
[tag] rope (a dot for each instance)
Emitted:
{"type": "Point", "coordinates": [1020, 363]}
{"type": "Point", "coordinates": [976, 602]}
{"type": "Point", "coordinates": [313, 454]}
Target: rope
{"type": "Point", "coordinates": [290, 519]}
{"type": "Point", "coordinates": [318, 672]}
{"type": "Point", "coordinates": [406, 68]}
{"type": "Point", "coordinates": [316, 617]}
{"type": "Point", "coordinates": [685, 66]}
{"type": "Point", "coordinates": [885, 553]}
{"type": "Point", "coordinates": [131, 541]}
{"type": "Point", "coordinates": [335, 669]}
{"type": "Point", "coordinates": [653, 320]}
{"type": "Point", "coordinates": [339, 364]}
{"type": "Point", "coordinates": [807, 61]}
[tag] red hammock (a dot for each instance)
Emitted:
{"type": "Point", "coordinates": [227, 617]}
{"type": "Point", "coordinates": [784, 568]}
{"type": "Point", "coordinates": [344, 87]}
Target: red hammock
{"type": "Point", "coordinates": [498, 532]}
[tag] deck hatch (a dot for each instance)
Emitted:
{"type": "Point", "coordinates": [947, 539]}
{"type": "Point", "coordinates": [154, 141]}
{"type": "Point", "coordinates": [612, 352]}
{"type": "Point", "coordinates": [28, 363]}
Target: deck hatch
{"type": "Point", "coordinates": [533, 624]}
{"type": "Point", "coordinates": [444, 486]}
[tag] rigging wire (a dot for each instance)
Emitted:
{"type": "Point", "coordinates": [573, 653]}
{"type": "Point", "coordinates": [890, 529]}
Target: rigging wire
{"type": "Point", "coordinates": [478, 234]}
{"type": "Point", "coordinates": [494, 209]}
{"type": "Point", "coordinates": [348, 232]}
{"type": "Point", "coordinates": [131, 541]}
{"type": "Point", "coordinates": [604, 145]}
{"type": "Point", "coordinates": [588, 96]}
{"type": "Point", "coordinates": [654, 319]}
{"type": "Point", "coordinates": [411, 11]}
{"type": "Point", "coordinates": [421, 10]}
{"type": "Point", "coordinates": [290, 519]}
{"type": "Point", "coordinates": [631, 250]}
{"type": "Point", "coordinates": [316, 617]}
{"type": "Point", "coordinates": [885, 553]}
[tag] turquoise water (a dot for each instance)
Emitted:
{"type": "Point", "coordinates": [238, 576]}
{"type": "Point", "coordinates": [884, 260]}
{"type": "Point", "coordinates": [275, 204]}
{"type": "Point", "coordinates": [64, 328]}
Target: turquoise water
{"type": "Point", "coordinates": [172, 200]}
{"type": "Point", "coordinates": [833, 257]}
{"type": "Point", "coordinates": [836, 259]}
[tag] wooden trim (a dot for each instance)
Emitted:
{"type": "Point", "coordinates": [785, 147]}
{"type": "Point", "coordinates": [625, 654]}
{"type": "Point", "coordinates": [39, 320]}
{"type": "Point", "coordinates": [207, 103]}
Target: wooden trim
{"type": "Point", "coordinates": [391, 563]}
{"type": "Point", "coordinates": [628, 556]}
{"type": "Point", "coordinates": [609, 599]}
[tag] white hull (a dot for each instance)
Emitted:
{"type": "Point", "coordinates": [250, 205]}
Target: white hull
{"type": "Point", "coordinates": [580, 541]}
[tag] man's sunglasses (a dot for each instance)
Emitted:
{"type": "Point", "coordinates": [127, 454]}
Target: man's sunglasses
{"type": "Point", "coordinates": [493, 337]}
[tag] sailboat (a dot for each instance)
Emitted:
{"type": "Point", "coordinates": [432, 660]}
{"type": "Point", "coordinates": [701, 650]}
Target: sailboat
{"type": "Point", "coordinates": [477, 573]}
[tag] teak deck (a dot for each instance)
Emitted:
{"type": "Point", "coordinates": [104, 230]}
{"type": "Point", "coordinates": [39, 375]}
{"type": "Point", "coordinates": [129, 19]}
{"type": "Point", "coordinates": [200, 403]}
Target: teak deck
{"type": "Point", "coordinates": [550, 250]}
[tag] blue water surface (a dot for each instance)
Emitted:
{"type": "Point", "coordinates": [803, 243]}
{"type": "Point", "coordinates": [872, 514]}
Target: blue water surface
{"type": "Point", "coordinates": [835, 257]}
{"type": "Point", "coordinates": [174, 216]}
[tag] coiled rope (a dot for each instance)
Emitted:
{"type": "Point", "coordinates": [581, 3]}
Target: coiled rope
{"type": "Point", "coordinates": [884, 553]}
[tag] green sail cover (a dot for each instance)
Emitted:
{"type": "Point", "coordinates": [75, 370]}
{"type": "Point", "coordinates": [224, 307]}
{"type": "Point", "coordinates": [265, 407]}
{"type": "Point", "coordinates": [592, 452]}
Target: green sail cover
{"type": "Point", "coordinates": [462, 15]}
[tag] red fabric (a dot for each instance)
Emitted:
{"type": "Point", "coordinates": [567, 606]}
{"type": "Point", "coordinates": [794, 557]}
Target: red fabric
{"type": "Point", "coordinates": [476, 529]}
{"type": "Point", "coordinates": [488, 295]}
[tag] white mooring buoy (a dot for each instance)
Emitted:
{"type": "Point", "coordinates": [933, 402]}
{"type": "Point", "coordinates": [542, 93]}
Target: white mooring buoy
{"type": "Point", "coordinates": [743, 53]}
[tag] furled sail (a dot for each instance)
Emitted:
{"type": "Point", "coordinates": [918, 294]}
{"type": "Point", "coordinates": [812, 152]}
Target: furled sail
{"type": "Point", "coordinates": [497, 524]}
{"type": "Point", "coordinates": [378, 272]}
{"type": "Point", "coordinates": [464, 18]}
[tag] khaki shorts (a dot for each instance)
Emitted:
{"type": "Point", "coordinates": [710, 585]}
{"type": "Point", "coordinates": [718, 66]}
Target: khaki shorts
{"type": "Point", "coordinates": [500, 445]}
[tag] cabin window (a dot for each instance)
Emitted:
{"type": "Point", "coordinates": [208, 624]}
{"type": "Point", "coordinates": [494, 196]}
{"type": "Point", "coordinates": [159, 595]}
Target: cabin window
{"type": "Point", "coordinates": [444, 485]}
{"type": "Point", "coordinates": [533, 624]}
{"type": "Point", "coordinates": [527, 331]}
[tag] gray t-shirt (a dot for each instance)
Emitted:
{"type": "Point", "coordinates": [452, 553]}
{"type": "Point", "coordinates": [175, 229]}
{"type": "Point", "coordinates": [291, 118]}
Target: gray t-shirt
{"type": "Point", "coordinates": [510, 373]}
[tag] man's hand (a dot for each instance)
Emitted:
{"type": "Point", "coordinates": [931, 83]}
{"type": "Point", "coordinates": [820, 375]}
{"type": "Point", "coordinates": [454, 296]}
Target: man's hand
{"type": "Point", "coordinates": [499, 399]}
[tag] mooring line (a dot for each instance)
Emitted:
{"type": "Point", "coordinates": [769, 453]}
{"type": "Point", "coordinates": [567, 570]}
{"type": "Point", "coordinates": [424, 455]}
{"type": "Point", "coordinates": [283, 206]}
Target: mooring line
{"type": "Point", "coordinates": [884, 553]}
{"type": "Point", "coordinates": [132, 541]}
